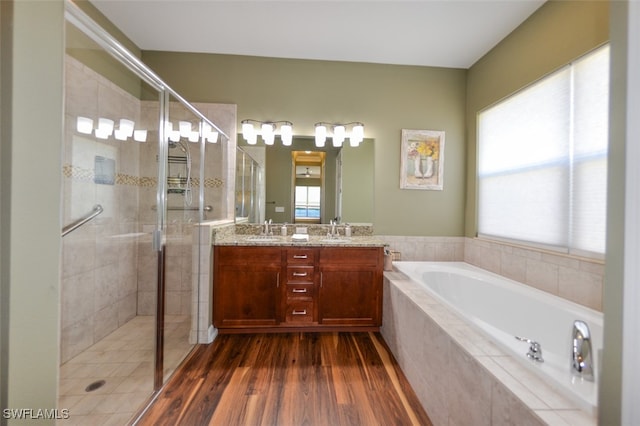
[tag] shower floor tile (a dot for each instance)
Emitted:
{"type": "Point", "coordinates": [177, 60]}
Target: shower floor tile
{"type": "Point", "coordinates": [124, 361]}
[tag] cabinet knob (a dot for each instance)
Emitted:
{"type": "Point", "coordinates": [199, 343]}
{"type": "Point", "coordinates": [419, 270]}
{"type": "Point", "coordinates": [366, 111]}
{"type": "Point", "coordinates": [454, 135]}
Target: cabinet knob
{"type": "Point", "coordinates": [299, 256]}
{"type": "Point", "coordinates": [299, 274]}
{"type": "Point", "coordinates": [299, 290]}
{"type": "Point", "coordinates": [302, 312]}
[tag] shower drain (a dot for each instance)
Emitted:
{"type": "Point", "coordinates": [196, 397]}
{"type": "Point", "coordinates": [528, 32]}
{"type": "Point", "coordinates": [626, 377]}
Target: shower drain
{"type": "Point", "coordinates": [95, 385]}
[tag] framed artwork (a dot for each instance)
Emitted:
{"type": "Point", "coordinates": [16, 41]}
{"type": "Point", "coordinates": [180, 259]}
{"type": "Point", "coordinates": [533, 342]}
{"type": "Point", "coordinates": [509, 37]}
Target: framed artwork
{"type": "Point", "coordinates": [422, 159]}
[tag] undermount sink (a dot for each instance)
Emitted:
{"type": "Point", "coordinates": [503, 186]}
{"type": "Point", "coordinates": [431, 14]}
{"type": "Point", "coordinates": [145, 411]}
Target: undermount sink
{"type": "Point", "coordinates": [262, 239]}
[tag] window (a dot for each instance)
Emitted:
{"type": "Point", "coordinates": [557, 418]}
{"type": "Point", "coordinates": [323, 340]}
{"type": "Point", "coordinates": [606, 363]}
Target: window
{"type": "Point", "coordinates": [542, 160]}
{"type": "Point", "coordinates": [307, 202]}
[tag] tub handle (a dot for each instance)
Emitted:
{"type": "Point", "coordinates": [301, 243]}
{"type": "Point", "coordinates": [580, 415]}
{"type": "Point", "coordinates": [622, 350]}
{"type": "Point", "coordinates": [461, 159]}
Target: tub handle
{"type": "Point", "coordinates": [535, 350]}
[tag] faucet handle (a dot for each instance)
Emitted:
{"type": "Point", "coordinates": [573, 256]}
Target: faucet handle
{"type": "Point", "coordinates": [535, 349]}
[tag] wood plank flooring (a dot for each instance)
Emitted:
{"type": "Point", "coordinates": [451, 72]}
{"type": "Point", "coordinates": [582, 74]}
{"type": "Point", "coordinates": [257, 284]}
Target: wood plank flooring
{"type": "Point", "coordinates": [289, 379]}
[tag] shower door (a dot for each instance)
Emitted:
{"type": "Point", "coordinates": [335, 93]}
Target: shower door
{"type": "Point", "coordinates": [123, 327]}
{"type": "Point", "coordinates": [110, 262]}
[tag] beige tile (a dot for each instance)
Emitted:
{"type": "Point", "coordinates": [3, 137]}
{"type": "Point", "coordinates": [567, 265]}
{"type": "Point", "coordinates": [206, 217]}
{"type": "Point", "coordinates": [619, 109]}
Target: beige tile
{"type": "Point", "coordinates": [536, 385]}
{"type": "Point", "coordinates": [493, 364]}
{"type": "Point", "coordinates": [543, 276]}
{"type": "Point", "coordinates": [507, 409]}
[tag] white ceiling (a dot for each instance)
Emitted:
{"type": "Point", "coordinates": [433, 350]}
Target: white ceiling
{"type": "Point", "coordinates": [441, 33]}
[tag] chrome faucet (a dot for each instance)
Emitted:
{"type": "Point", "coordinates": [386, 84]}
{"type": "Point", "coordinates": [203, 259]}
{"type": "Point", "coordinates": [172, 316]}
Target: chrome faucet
{"type": "Point", "coordinates": [333, 231]}
{"type": "Point", "coordinates": [267, 231]}
{"type": "Point", "coordinates": [582, 360]}
{"type": "Point", "coordinates": [535, 350]}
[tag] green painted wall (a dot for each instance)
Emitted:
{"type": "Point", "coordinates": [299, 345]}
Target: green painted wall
{"type": "Point", "coordinates": [357, 186]}
{"type": "Point", "coordinates": [30, 200]}
{"type": "Point", "coordinates": [554, 35]}
{"type": "Point", "coordinates": [386, 98]}
{"type": "Point", "coordinates": [85, 50]}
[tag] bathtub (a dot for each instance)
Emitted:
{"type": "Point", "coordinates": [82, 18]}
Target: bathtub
{"type": "Point", "coordinates": [500, 309]}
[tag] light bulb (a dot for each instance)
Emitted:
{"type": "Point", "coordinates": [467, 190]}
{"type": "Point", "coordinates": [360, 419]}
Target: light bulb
{"type": "Point", "coordinates": [126, 127]}
{"type": "Point", "coordinates": [247, 131]}
{"type": "Point", "coordinates": [105, 127]}
{"type": "Point", "coordinates": [212, 137]}
{"type": "Point", "coordinates": [286, 134]}
{"type": "Point", "coordinates": [268, 138]}
{"type": "Point", "coordinates": [357, 134]}
{"type": "Point", "coordinates": [253, 139]}
{"type": "Point", "coordinates": [84, 125]}
{"type": "Point", "coordinates": [321, 135]}
{"type": "Point", "coordinates": [338, 135]}
{"type": "Point", "coordinates": [185, 128]}
{"type": "Point", "coordinates": [120, 135]}
{"type": "Point", "coordinates": [140, 135]}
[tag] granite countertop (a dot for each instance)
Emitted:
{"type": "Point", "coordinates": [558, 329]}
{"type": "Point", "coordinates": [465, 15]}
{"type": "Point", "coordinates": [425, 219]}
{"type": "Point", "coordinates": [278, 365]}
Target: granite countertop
{"type": "Point", "coordinates": [314, 240]}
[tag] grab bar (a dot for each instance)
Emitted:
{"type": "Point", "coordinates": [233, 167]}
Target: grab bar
{"type": "Point", "coordinates": [97, 209]}
{"type": "Point", "coordinates": [205, 208]}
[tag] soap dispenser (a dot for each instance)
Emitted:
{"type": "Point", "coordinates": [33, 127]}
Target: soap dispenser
{"type": "Point", "coordinates": [347, 230]}
{"type": "Point", "coordinates": [283, 229]}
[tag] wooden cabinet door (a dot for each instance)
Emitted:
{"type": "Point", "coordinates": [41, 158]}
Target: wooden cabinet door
{"type": "Point", "coordinates": [246, 287]}
{"type": "Point", "coordinates": [350, 290]}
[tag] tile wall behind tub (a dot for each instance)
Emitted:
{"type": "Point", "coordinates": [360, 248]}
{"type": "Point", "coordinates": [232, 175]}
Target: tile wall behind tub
{"type": "Point", "coordinates": [440, 249]}
{"type": "Point", "coordinates": [579, 280]}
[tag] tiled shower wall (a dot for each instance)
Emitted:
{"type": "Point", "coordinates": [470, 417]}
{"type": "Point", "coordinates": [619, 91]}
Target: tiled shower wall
{"type": "Point", "coordinates": [99, 280]}
{"type": "Point", "coordinates": [109, 269]}
{"type": "Point", "coordinates": [579, 280]}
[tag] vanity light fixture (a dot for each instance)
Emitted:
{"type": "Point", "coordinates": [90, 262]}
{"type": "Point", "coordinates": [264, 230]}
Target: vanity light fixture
{"type": "Point", "coordinates": [268, 131]}
{"type": "Point", "coordinates": [339, 132]}
{"type": "Point", "coordinates": [106, 128]}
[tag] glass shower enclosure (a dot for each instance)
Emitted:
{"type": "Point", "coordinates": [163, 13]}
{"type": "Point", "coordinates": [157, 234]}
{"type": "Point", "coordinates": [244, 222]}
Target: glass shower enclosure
{"type": "Point", "coordinates": [132, 171]}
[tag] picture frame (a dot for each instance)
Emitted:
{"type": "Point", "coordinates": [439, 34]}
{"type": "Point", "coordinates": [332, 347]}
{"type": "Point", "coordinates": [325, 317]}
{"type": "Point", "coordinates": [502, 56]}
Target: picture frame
{"type": "Point", "coordinates": [422, 159]}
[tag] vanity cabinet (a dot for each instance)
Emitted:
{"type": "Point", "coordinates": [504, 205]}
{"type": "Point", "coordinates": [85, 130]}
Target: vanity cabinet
{"type": "Point", "coordinates": [290, 288]}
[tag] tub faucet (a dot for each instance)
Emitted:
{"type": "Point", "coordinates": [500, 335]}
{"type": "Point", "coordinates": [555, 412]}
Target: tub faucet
{"type": "Point", "coordinates": [535, 350]}
{"type": "Point", "coordinates": [582, 360]}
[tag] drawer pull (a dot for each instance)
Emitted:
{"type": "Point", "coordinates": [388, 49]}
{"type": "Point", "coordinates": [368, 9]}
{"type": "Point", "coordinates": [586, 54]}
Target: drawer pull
{"type": "Point", "coordinates": [299, 256]}
{"type": "Point", "coordinates": [299, 290]}
{"type": "Point", "coordinates": [302, 312]}
{"type": "Point", "coordinates": [299, 274]}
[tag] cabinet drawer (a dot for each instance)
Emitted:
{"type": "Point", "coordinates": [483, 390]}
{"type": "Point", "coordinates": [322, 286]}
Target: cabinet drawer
{"type": "Point", "coordinates": [303, 274]}
{"type": "Point", "coordinates": [300, 291]}
{"type": "Point", "coordinates": [243, 255]}
{"type": "Point", "coordinates": [301, 256]}
{"type": "Point", "coordinates": [300, 311]}
{"type": "Point", "coordinates": [371, 256]}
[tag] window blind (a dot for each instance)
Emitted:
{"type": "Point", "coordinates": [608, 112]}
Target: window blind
{"type": "Point", "coordinates": [542, 160]}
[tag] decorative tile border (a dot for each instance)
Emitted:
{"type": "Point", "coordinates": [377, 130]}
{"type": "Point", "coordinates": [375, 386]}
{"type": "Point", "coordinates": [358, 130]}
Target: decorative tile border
{"type": "Point", "coordinates": [87, 175]}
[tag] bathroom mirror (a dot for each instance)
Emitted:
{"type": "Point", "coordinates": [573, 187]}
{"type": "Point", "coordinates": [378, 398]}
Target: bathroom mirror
{"type": "Point", "coordinates": [346, 181]}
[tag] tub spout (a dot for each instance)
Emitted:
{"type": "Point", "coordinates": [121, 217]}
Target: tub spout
{"type": "Point", "coordinates": [582, 360]}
